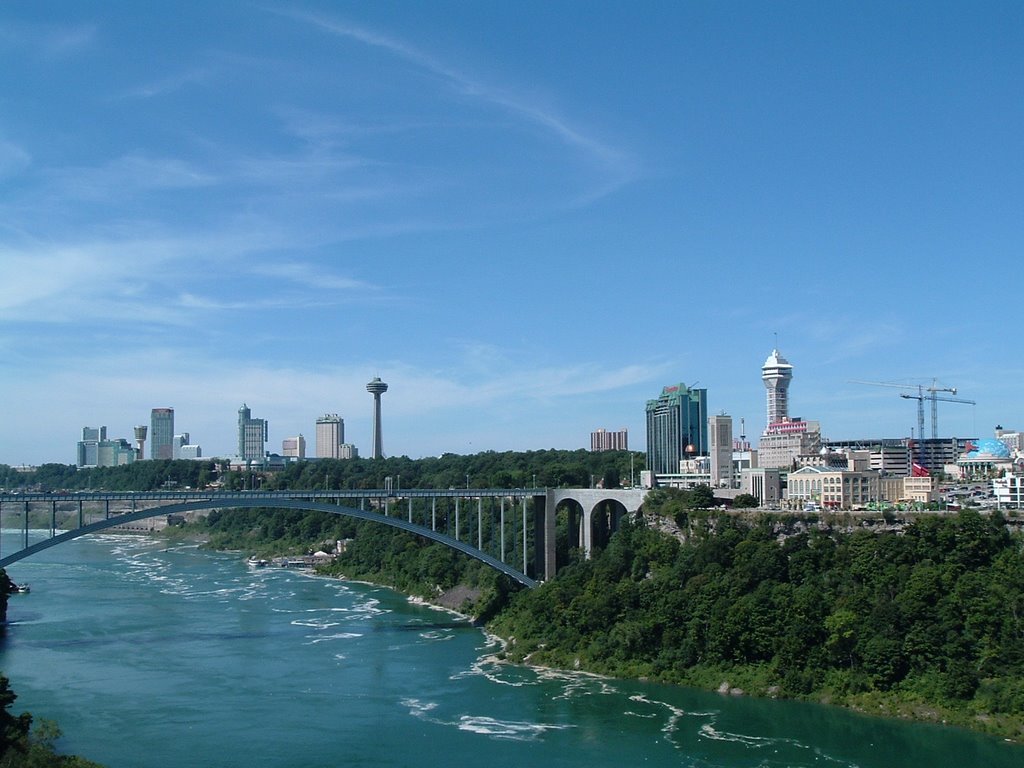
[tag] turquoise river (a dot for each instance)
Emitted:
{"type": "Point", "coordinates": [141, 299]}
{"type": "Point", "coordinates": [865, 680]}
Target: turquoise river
{"type": "Point", "coordinates": [157, 656]}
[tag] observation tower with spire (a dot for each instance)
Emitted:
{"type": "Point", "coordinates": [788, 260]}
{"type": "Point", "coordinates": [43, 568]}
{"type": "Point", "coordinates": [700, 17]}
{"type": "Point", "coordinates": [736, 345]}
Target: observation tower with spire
{"type": "Point", "coordinates": [776, 373]}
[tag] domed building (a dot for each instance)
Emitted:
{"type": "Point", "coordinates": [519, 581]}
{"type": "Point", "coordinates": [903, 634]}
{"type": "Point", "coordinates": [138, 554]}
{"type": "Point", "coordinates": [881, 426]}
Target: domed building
{"type": "Point", "coordinates": [985, 458]}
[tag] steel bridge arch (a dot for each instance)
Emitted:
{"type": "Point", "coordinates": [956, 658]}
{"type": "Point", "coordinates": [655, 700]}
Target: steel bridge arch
{"type": "Point", "coordinates": [243, 503]}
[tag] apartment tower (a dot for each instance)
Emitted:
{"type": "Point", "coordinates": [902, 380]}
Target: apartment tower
{"type": "Point", "coordinates": [330, 435]}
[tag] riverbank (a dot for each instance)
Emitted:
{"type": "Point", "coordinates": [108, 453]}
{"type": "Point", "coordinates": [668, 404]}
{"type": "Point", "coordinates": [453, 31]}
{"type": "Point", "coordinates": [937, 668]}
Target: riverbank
{"type": "Point", "coordinates": [883, 623]}
{"type": "Point", "coordinates": [753, 681]}
{"type": "Point", "coordinates": [924, 624]}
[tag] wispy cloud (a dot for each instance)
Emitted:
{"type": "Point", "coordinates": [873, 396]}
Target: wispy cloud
{"type": "Point", "coordinates": [52, 41]}
{"type": "Point", "coordinates": [130, 173]}
{"type": "Point", "coordinates": [169, 84]}
{"type": "Point", "coordinates": [620, 166]}
{"type": "Point", "coordinates": [92, 278]}
{"type": "Point", "coordinates": [310, 276]}
{"type": "Point", "coordinates": [13, 158]}
{"type": "Point", "coordinates": [66, 41]}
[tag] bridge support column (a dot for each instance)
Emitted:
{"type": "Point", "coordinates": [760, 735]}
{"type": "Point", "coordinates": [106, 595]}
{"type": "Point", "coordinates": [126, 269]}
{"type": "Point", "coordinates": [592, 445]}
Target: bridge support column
{"type": "Point", "coordinates": [573, 528]}
{"type": "Point", "coordinates": [480, 523]}
{"type": "Point", "coordinates": [524, 536]}
{"type": "Point", "coordinates": [501, 516]}
{"type": "Point", "coordinates": [544, 535]}
{"type": "Point", "coordinates": [588, 533]}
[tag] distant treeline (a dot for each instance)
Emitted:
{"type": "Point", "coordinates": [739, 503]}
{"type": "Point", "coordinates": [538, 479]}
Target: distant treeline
{"type": "Point", "coordinates": [509, 469]}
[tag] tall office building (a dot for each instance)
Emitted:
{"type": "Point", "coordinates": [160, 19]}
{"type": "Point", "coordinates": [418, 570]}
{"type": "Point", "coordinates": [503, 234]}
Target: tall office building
{"type": "Point", "coordinates": [252, 435]}
{"type": "Point", "coordinates": [377, 388]}
{"type": "Point", "coordinates": [330, 435]}
{"type": "Point", "coordinates": [89, 445]}
{"type": "Point", "coordinates": [676, 428]}
{"type": "Point", "coordinates": [95, 450]}
{"type": "Point", "coordinates": [161, 433]}
{"type": "Point", "coordinates": [603, 440]}
{"type": "Point", "coordinates": [178, 443]}
{"type": "Point", "coordinates": [115, 453]}
{"type": "Point", "coordinates": [720, 432]}
{"type": "Point", "coordinates": [777, 373]}
{"type": "Point", "coordinates": [191, 452]}
{"type": "Point", "coordinates": [294, 447]}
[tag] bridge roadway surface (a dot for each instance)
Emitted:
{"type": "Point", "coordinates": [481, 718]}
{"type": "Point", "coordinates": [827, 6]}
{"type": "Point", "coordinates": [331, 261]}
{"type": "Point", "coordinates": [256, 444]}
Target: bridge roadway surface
{"type": "Point", "coordinates": [180, 502]}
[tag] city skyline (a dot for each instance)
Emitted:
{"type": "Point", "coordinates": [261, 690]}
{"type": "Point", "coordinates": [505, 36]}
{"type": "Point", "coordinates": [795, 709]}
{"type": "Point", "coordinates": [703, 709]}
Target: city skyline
{"type": "Point", "coordinates": [525, 219]}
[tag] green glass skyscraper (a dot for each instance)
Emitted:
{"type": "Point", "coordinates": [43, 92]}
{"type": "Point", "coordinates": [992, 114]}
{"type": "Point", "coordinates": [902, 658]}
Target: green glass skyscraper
{"type": "Point", "coordinates": [676, 428]}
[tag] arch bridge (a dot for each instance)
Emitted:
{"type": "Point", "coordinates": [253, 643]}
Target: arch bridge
{"type": "Point", "coordinates": [514, 530]}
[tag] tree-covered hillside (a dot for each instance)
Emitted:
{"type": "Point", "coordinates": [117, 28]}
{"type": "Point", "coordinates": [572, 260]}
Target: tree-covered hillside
{"type": "Point", "coordinates": [930, 622]}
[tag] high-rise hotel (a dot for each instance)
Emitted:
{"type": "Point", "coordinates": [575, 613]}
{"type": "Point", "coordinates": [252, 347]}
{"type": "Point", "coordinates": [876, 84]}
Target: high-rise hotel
{"type": "Point", "coordinates": [252, 435]}
{"type": "Point", "coordinates": [676, 428]}
{"type": "Point", "coordinates": [161, 433]}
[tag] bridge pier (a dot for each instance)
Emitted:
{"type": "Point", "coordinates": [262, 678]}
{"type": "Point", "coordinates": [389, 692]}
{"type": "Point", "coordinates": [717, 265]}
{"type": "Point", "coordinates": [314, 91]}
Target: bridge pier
{"type": "Point", "coordinates": [589, 499]}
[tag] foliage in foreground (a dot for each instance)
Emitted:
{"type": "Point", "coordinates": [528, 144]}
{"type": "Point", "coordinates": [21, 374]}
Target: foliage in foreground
{"type": "Point", "coordinates": [22, 746]}
{"type": "Point", "coordinates": [928, 622]}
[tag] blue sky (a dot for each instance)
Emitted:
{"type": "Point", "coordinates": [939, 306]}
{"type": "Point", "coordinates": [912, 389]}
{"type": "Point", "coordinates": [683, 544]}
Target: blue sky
{"type": "Point", "coordinates": [525, 217]}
